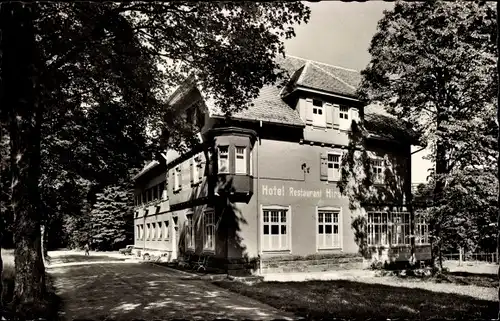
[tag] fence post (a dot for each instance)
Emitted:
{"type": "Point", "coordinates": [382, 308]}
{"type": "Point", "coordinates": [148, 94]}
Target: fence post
{"type": "Point", "coordinates": [460, 256]}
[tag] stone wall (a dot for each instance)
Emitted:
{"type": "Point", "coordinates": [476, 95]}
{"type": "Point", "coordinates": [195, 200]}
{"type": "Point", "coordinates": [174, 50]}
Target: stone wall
{"type": "Point", "coordinates": [317, 263]}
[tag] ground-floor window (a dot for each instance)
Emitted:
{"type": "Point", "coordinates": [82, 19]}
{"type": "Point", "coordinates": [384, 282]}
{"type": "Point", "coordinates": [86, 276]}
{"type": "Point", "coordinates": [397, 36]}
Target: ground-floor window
{"type": "Point", "coordinates": [328, 229]}
{"type": "Point", "coordinates": [385, 227]}
{"type": "Point", "coordinates": [209, 231]}
{"type": "Point", "coordinates": [160, 230]}
{"type": "Point", "coordinates": [189, 231]}
{"type": "Point", "coordinates": [141, 231]}
{"type": "Point", "coordinates": [275, 229]}
{"type": "Point", "coordinates": [421, 231]}
{"type": "Point", "coordinates": [148, 231]}
{"type": "Point", "coordinates": [167, 230]}
{"type": "Point", "coordinates": [153, 231]}
{"type": "Point", "coordinates": [138, 231]}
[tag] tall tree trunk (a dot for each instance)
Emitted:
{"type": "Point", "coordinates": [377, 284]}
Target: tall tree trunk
{"type": "Point", "coordinates": [20, 99]}
{"type": "Point", "coordinates": [498, 142]}
{"type": "Point", "coordinates": [440, 170]}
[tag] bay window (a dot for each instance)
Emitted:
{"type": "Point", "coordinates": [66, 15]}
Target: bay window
{"type": "Point", "coordinates": [240, 162]}
{"type": "Point", "coordinates": [223, 155]}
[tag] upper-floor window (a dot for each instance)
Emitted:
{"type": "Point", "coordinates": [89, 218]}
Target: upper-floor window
{"type": "Point", "coordinates": [344, 112]}
{"type": "Point", "coordinates": [161, 191]}
{"type": "Point", "coordinates": [334, 166]}
{"type": "Point", "coordinates": [196, 169]}
{"type": "Point", "coordinates": [223, 153]}
{"type": "Point", "coordinates": [318, 113]}
{"type": "Point", "coordinates": [377, 170]}
{"type": "Point", "coordinates": [240, 164]}
{"type": "Point", "coordinates": [177, 178]}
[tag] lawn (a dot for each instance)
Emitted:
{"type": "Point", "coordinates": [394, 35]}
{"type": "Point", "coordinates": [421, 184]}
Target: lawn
{"type": "Point", "coordinates": [349, 299]}
{"type": "Point", "coordinates": [8, 276]}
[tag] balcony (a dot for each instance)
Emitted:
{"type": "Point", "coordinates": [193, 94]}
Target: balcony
{"type": "Point", "coordinates": [238, 188]}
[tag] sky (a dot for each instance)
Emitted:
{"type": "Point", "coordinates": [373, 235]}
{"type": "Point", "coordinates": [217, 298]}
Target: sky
{"type": "Point", "coordinates": [339, 33]}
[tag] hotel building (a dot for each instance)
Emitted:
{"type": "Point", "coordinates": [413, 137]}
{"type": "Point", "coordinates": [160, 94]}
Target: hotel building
{"type": "Point", "coordinates": [260, 190]}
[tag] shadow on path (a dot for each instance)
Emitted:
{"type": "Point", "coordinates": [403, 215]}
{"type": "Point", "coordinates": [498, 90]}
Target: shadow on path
{"type": "Point", "coordinates": [141, 291]}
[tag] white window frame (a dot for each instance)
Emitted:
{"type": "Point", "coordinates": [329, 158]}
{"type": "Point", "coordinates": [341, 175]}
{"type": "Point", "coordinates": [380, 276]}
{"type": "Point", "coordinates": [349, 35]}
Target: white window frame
{"type": "Point", "coordinates": [177, 178]}
{"type": "Point", "coordinates": [141, 231]}
{"type": "Point", "coordinates": [288, 224]}
{"type": "Point", "coordinates": [332, 176]}
{"type": "Point", "coordinates": [242, 161]}
{"type": "Point", "coordinates": [190, 242]}
{"type": "Point", "coordinates": [322, 212]}
{"type": "Point", "coordinates": [422, 232]}
{"type": "Point", "coordinates": [377, 167]}
{"type": "Point", "coordinates": [391, 228]}
{"type": "Point", "coordinates": [148, 231]}
{"type": "Point", "coordinates": [138, 230]}
{"type": "Point", "coordinates": [318, 114]}
{"type": "Point", "coordinates": [219, 158]}
{"type": "Point", "coordinates": [344, 121]}
{"type": "Point", "coordinates": [209, 228]}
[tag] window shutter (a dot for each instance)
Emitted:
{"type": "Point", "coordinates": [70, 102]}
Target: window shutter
{"type": "Point", "coordinates": [329, 115]}
{"type": "Point", "coordinates": [191, 170]}
{"type": "Point", "coordinates": [355, 114]}
{"type": "Point", "coordinates": [309, 111]}
{"type": "Point", "coordinates": [323, 167]}
{"type": "Point", "coordinates": [336, 109]}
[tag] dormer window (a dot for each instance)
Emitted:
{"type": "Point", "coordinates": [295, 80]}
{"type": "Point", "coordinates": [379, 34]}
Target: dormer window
{"type": "Point", "coordinates": [344, 112]}
{"type": "Point", "coordinates": [318, 113]}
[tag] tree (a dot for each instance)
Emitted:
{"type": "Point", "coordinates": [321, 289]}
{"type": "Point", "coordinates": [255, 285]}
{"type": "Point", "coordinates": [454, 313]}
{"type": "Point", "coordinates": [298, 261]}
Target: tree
{"type": "Point", "coordinates": [433, 65]}
{"type": "Point", "coordinates": [94, 54]}
{"type": "Point", "coordinates": [112, 218]}
{"type": "Point", "coordinates": [498, 149]}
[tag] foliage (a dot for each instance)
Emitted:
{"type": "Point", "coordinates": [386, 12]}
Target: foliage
{"type": "Point", "coordinates": [112, 219]}
{"type": "Point", "coordinates": [360, 234]}
{"type": "Point", "coordinates": [433, 65]}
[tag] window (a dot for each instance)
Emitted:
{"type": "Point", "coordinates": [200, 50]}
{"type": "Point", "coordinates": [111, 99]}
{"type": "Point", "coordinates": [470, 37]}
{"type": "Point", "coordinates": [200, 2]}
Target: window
{"type": "Point", "coordinates": [144, 197]}
{"type": "Point", "coordinates": [195, 170]}
{"type": "Point", "coordinates": [150, 195]}
{"type": "Point", "coordinates": [250, 152]}
{"type": "Point", "coordinates": [148, 231]}
{"type": "Point", "coordinates": [240, 164]}
{"type": "Point", "coordinates": [161, 191]}
{"type": "Point", "coordinates": [422, 232]}
{"type": "Point", "coordinates": [344, 112]}
{"type": "Point", "coordinates": [138, 231]}
{"type": "Point", "coordinates": [189, 231]}
{"type": "Point", "coordinates": [155, 192]}
{"type": "Point", "coordinates": [334, 167]}
{"type": "Point", "coordinates": [377, 170]}
{"type": "Point", "coordinates": [385, 227]}
{"type": "Point", "coordinates": [167, 230]}
{"type": "Point", "coordinates": [177, 178]}
{"type": "Point", "coordinates": [328, 230]}
{"type": "Point", "coordinates": [153, 231]}
{"type": "Point", "coordinates": [209, 231]}
{"type": "Point", "coordinates": [160, 231]}
{"type": "Point", "coordinates": [141, 231]}
{"type": "Point", "coordinates": [275, 234]}
{"type": "Point", "coordinates": [223, 159]}
{"type": "Point", "coordinates": [319, 118]}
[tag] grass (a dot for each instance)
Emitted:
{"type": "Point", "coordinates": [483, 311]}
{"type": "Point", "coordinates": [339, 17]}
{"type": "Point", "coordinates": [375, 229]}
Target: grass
{"type": "Point", "coordinates": [8, 275]}
{"type": "Point", "coordinates": [348, 299]}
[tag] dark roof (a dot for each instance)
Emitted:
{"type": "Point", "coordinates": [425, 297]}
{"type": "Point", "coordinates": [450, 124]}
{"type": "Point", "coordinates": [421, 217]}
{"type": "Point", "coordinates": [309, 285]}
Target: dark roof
{"type": "Point", "coordinates": [270, 106]}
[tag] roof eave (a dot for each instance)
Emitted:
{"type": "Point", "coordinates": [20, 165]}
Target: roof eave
{"type": "Point", "coordinates": [322, 92]}
{"type": "Point", "coordinates": [260, 120]}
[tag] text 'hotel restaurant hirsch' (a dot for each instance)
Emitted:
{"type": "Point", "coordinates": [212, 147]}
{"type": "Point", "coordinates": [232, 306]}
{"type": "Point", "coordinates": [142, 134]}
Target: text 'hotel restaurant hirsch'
{"type": "Point", "coordinates": [262, 186]}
